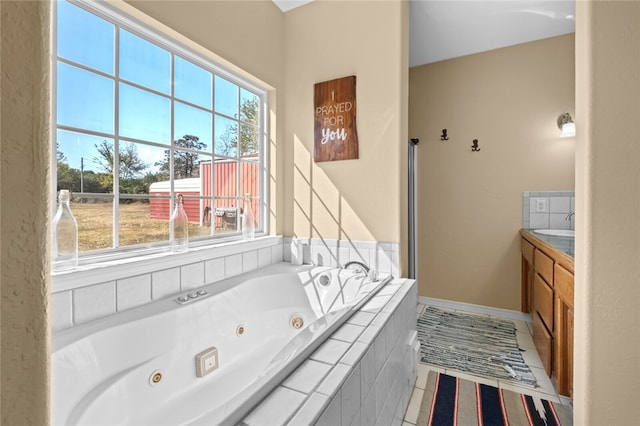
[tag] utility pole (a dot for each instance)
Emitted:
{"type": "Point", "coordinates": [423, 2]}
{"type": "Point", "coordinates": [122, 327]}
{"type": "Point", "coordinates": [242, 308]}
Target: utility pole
{"type": "Point", "coordinates": [81, 175]}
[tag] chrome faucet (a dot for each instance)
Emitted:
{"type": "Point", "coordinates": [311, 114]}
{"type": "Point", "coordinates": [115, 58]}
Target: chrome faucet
{"type": "Point", "coordinates": [362, 267]}
{"type": "Point", "coordinates": [569, 216]}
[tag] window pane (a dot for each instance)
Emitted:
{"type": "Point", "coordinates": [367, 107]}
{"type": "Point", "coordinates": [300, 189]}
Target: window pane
{"type": "Point", "coordinates": [226, 193]}
{"type": "Point", "coordinates": [250, 182]}
{"type": "Point", "coordinates": [157, 161]}
{"type": "Point", "coordinates": [206, 190]}
{"type": "Point", "coordinates": [84, 163]}
{"type": "Point", "coordinates": [192, 83]}
{"type": "Point", "coordinates": [160, 207]}
{"type": "Point", "coordinates": [85, 38]}
{"type": "Point", "coordinates": [197, 230]}
{"type": "Point", "coordinates": [248, 141]}
{"type": "Point", "coordinates": [226, 181]}
{"type": "Point", "coordinates": [194, 122]}
{"type": "Point", "coordinates": [226, 94]}
{"type": "Point", "coordinates": [136, 225]}
{"type": "Point", "coordinates": [95, 223]}
{"type": "Point", "coordinates": [198, 215]}
{"type": "Point", "coordinates": [226, 136]}
{"type": "Point", "coordinates": [137, 167]}
{"type": "Point", "coordinates": [191, 189]}
{"type": "Point", "coordinates": [144, 63]}
{"type": "Point", "coordinates": [249, 107]}
{"type": "Point", "coordinates": [144, 115]}
{"type": "Point", "coordinates": [186, 165]}
{"type": "Point", "coordinates": [85, 100]}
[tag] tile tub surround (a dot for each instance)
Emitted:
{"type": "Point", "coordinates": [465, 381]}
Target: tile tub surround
{"type": "Point", "coordinates": [553, 211]}
{"type": "Point", "coordinates": [382, 256]}
{"type": "Point", "coordinates": [94, 292]}
{"type": "Point", "coordinates": [101, 290]}
{"type": "Point", "coordinates": [362, 375]}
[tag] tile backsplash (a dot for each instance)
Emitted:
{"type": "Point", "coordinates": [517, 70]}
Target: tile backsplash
{"type": "Point", "coordinates": [384, 257]}
{"type": "Point", "coordinates": [548, 210]}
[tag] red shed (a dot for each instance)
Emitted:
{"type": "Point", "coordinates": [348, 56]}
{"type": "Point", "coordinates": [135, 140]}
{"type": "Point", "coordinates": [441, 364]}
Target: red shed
{"type": "Point", "coordinates": [225, 190]}
{"type": "Point", "coordinates": [160, 208]}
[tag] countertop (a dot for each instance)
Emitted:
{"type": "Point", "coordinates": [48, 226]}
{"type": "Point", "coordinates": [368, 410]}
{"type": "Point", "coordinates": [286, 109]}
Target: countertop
{"type": "Point", "coordinates": [562, 244]}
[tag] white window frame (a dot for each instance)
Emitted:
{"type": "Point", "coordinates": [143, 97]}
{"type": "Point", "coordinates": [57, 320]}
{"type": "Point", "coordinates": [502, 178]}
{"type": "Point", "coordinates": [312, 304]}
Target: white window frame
{"type": "Point", "coordinates": [121, 20]}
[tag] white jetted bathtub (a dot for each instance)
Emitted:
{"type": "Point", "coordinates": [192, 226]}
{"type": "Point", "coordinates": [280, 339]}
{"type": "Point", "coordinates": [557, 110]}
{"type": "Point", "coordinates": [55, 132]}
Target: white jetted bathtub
{"type": "Point", "coordinates": [204, 357]}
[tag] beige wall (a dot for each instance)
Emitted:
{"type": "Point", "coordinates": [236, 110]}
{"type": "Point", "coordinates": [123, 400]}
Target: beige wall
{"type": "Point", "coordinates": [607, 292]}
{"type": "Point", "coordinates": [24, 212]}
{"type": "Point", "coordinates": [351, 199]}
{"type": "Point", "coordinates": [470, 203]}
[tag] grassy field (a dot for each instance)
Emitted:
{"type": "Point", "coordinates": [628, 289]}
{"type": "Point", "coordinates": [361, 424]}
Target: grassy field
{"type": "Point", "coordinates": [95, 226]}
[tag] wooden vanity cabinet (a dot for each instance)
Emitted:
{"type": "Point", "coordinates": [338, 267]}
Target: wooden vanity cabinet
{"type": "Point", "coordinates": [547, 294]}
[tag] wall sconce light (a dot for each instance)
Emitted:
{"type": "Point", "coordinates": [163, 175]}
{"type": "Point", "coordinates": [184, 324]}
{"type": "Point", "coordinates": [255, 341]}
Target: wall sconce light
{"type": "Point", "coordinates": [566, 124]}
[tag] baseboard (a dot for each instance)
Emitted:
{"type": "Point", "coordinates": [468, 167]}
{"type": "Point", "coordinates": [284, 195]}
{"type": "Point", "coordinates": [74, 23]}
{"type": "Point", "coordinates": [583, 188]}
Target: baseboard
{"type": "Point", "coordinates": [476, 309]}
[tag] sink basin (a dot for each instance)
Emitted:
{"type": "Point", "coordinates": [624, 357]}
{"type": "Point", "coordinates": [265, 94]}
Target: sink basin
{"type": "Point", "coordinates": [567, 233]}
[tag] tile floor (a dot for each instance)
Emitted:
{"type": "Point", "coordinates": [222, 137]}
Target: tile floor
{"type": "Point", "coordinates": [544, 390]}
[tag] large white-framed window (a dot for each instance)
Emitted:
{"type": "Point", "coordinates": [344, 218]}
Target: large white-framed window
{"type": "Point", "coordinates": [140, 118]}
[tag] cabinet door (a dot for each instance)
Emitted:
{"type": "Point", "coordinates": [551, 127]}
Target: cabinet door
{"type": "Point", "coordinates": [563, 336]}
{"type": "Point", "coordinates": [570, 353]}
{"type": "Point", "coordinates": [563, 350]}
{"type": "Point", "coordinates": [563, 284]}
{"type": "Point", "coordinates": [543, 341]}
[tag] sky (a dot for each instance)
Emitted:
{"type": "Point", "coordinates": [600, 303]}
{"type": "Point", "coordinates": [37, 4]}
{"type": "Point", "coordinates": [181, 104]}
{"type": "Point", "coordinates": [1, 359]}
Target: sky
{"type": "Point", "coordinates": [88, 86]}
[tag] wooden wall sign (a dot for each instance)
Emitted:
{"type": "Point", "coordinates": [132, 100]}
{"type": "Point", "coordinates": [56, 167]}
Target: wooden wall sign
{"type": "Point", "coordinates": [335, 134]}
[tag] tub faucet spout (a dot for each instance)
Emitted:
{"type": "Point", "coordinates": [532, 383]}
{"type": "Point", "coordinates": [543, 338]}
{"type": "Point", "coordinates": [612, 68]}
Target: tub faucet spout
{"type": "Point", "coordinates": [356, 266]}
{"type": "Point", "coordinates": [569, 216]}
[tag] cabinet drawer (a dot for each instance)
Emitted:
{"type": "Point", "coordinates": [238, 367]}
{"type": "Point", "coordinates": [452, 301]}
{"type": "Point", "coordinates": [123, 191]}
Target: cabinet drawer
{"type": "Point", "coordinates": [527, 250]}
{"type": "Point", "coordinates": [543, 341]}
{"type": "Point", "coordinates": [563, 284]}
{"type": "Point", "coordinates": [543, 301]}
{"type": "Point", "coordinates": [543, 265]}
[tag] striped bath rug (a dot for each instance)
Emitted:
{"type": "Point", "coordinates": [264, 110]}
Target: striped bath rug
{"type": "Point", "coordinates": [452, 401]}
{"type": "Point", "coordinates": [476, 344]}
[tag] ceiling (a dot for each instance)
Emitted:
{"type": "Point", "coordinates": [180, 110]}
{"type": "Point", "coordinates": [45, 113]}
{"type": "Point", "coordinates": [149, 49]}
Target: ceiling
{"type": "Point", "coordinates": [444, 29]}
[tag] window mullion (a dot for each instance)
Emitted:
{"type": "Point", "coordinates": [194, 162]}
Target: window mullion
{"type": "Point", "coordinates": [116, 142]}
{"type": "Point", "coordinates": [263, 161]}
{"type": "Point", "coordinates": [172, 148]}
{"type": "Point", "coordinates": [212, 179]}
{"type": "Point", "coordinates": [239, 166]}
